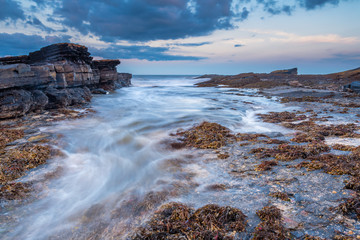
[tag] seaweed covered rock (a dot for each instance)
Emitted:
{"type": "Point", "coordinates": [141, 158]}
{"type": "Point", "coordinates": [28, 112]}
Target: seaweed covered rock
{"type": "Point", "coordinates": [277, 117]}
{"type": "Point", "coordinates": [207, 135]}
{"type": "Point", "coordinates": [9, 135]}
{"type": "Point", "coordinates": [270, 226]}
{"type": "Point", "coordinates": [287, 152]}
{"type": "Point", "coordinates": [15, 162]}
{"type": "Point", "coordinates": [178, 221]}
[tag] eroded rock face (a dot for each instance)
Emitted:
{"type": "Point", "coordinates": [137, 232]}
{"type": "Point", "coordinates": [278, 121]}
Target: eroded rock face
{"type": "Point", "coordinates": [124, 79]}
{"type": "Point", "coordinates": [15, 103]}
{"type": "Point", "coordinates": [56, 76]}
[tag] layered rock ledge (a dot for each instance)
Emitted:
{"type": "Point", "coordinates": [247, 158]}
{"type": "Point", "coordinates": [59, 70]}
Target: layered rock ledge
{"type": "Point", "coordinates": [56, 76]}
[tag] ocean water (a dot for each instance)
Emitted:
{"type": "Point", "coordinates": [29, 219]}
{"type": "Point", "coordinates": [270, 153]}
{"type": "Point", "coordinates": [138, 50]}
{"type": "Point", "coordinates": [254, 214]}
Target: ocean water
{"type": "Point", "coordinates": [119, 156]}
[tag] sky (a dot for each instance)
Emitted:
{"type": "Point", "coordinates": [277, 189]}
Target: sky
{"type": "Point", "coordinates": [192, 37]}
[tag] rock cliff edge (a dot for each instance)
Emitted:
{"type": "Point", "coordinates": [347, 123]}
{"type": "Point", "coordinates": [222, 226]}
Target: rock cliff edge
{"type": "Point", "coordinates": [56, 76]}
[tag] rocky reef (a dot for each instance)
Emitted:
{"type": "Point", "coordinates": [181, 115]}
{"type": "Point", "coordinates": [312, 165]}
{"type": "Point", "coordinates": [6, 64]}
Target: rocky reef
{"type": "Point", "coordinates": [347, 80]}
{"type": "Point", "coordinates": [56, 76]}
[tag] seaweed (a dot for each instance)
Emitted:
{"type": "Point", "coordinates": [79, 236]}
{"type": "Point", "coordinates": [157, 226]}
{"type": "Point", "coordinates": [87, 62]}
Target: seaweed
{"type": "Point", "coordinates": [306, 137]}
{"type": "Point", "coordinates": [342, 147]}
{"type": "Point", "coordinates": [178, 221]}
{"type": "Point", "coordinates": [351, 207]}
{"type": "Point", "coordinates": [217, 187]}
{"type": "Point", "coordinates": [15, 162]}
{"type": "Point", "coordinates": [270, 226]}
{"type": "Point", "coordinates": [223, 155]}
{"type": "Point", "coordinates": [206, 136]}
{"type": "Point", "coordinates": [9, 135]}
{"type": "Point", "coordinates": [277, 117]}
{"type": "Point", "coordinates": [281, 195]}
{"type": "Point", "coordinates": [265, 165]}
{"type": "Point", "coordinates": [287, 152]}
{"type": "Point", "coordinates": [15, 191]}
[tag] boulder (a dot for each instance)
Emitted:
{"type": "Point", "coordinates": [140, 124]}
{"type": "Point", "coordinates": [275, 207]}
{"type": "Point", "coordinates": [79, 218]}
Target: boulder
{"type": "Point", "coordinates": [39, 100]}
{"type": "Point", "coordinates": [15, 103]}
{"type": "Point", "coordinates": [354, 86]}
{"type": "Point", "coordinates": [79, 96]}
{"type": "Point", "coordinates": [58, 98]}
{"type": "Point", "coordinates": [124, 79]}
{"type": "Point", "coordinates": [291, 71]}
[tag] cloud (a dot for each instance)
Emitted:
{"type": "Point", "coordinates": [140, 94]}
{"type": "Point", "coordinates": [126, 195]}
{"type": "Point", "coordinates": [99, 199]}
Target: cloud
{"type": "Point", "coordinates": [329, 38]}
{"type": "Point", "coordinates": [37, 23]}
{"type": "Point", "coordinates": [192, 44]}
{"type": "Point", "coordinates": [238, 45]}
{"type": "Point", "coordinates": [312, 4]}
{"type": "Point", "coordinates": [139, 52]}
{"type": "Point", "coordinates": [21, 44]}
{"type": "Point", "coordinates": [10, 10]}
{"type": "Point", "coordinates": [143, 20]}
{"type": "Point", "coordinates": [274, 8]}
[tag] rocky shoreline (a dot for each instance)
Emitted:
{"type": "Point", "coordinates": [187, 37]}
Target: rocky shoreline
{"type": "Point", "coordinates": [53, 84]}
{"type": "Point", "coordinates": [56, 76]}
{"type": "Point", "coordinates": [322, 146]}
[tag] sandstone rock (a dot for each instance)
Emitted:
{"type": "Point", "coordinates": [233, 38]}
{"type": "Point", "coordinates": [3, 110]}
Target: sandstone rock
{"type": "Point", "coordinates": [39, 100]}
{"type": "Point", "coordinates": [108, 74]}
{"type": "Point", "coordinates": [291, 71]}
{"type": "Point", "coordinates": [99, 91]}
{"type": "Point", "coordinates": [14, 103]}
{"type": "Point", "coordinates": [79, 96]}
{"type": "Point", "coordinates": [23, 75]}
{"type": "Point", "coordinates": [124, 79]}
{"type": "Point", "coordinates": [60, 52]}
{"type": "Point", "coordinates": [69, 74]}
{"type": "Point", "coordinates": [56, 76]}
{"type": "Point", "coordinates": [58, 98]}
{"type": "Point", "coordinates": [14, 60]}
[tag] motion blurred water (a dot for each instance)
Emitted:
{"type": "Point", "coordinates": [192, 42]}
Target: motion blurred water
{"type": "Point", "coordinates": [117, 155]}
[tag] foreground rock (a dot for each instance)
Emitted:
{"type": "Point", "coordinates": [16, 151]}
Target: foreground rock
{"type": "Point", "coordinates": [58, 75]}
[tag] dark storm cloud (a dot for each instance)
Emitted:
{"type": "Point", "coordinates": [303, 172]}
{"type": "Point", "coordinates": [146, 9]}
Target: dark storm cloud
{"type": "Point", "coordinates": [142, 20]}
{"type": "Point", "coordinates": [139, 52]}
{"type": "Point", "coordinates": [274, 8]}
{"type": "Point", "coordinates": [312, 4]}
{"type": "Point", "coordinates": [10, 9]}
{"type": "Point", "coordinates": [21, 44]}
{"type": "Point", "coordinates": [37, 23]}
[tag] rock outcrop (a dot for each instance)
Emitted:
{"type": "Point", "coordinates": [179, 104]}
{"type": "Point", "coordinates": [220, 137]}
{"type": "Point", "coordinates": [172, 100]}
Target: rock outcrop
{"type": "Point", "coordinates": [354, 86]}
{"type": "Point", "coordinates": [56, 76]}
{"type": "Point", "coordinates": [291, 71]}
